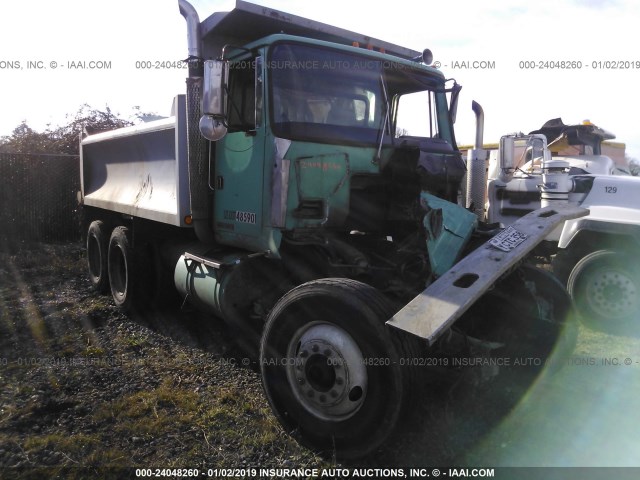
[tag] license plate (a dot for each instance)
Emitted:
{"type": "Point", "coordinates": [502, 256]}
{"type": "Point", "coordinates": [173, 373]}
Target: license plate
{"type": "Point", "coordinates": [508, 239]}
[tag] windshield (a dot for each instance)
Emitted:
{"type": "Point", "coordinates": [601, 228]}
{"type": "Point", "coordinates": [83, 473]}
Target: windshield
{"type": "Point", "coordinates": [320, 94]}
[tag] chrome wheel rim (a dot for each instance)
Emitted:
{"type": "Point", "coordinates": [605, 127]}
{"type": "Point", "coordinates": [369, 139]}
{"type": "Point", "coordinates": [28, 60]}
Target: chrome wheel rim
{"type": "Point", "coordinates": [326, 371]}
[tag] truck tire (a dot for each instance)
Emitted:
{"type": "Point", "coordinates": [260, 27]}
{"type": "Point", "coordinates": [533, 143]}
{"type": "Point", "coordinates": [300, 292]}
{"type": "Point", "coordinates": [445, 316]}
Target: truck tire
{"type": "Point", "coordinates": [605, 286]}
{"type": "Point", "coordinates": [556, 332]}
{"type": "Point", "coordinates": [97, 247]}
{"type": "Point", "coordinates": [331, 370]}
{"type": "Point", "coordinates": [565, 260]}
{"type": "Point", "coordinates": [530, 314]}
{"type": "Point", "coordinates": [122, 271]}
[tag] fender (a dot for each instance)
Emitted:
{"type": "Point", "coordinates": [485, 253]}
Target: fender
{"type": "Point", "coordinates": [613, 212]}
{"type": "Point", "coordinates": [573, 228]}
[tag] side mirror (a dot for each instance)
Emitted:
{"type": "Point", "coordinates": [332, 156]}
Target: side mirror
{"type": "Point", "coordinates": [506, 158]}
{"type": "Point", "coordinates": [214, 99]}
{"type": "Point", "coordinates": [507, 153]}
{"type": "Point", "coordinates": [214, 95]}
{"type": "Point", "coordinates": [539, 149]}
{"type": "Point", "coordinates": [212, 128]}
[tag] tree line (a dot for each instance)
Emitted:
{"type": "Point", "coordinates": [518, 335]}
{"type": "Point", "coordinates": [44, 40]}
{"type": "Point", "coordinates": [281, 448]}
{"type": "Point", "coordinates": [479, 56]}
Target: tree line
{"type": "Point", "coordinates": [64, 139]}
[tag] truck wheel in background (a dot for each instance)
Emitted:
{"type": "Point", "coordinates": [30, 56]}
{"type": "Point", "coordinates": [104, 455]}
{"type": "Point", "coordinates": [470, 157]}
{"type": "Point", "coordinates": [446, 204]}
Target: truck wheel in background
{"type": "Point", "coordinates": [330, 368]}
{"type": "Point", "coordinates": [565, 260]}
{"type": "Point", "coordinates": [122, 274]}
{"type": "Point", "coordinates": [605, 286]}
{"type": "Point", "coordinates": [97, 248]}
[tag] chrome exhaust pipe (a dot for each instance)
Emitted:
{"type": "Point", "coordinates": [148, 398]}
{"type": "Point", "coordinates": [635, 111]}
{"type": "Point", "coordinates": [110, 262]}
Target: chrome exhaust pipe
{"type": "Point", "coordinates": [479, 112]}
{"type": "Point", "coordinates": [201, 205]}
{"type": "Point", "coordinates": [193, 28]}
{"type": "Point", "coordinates": [477, 167]}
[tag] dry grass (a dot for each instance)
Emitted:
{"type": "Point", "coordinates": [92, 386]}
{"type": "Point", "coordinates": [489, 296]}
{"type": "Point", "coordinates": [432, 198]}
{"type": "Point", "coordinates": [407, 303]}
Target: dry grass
{"type": "Point", "coordinates": [162, 391]}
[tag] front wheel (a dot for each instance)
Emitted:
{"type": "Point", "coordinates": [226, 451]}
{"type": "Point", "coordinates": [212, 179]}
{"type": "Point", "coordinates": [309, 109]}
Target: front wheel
{"type": "Point", "coordinates": [331, 369]}
{"type": "Point", "coordinates": [528, 315]}
{"type": "Point", "coordinates": [605, 286]}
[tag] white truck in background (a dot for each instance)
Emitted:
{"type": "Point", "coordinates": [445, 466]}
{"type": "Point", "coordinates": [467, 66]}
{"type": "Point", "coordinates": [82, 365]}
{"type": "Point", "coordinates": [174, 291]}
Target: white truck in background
{"type": "Point", "coordinates": [598, 256]}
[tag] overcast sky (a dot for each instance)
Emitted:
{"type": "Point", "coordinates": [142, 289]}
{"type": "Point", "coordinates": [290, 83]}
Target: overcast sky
{"type": "Point", "coordinates": [600, 34]}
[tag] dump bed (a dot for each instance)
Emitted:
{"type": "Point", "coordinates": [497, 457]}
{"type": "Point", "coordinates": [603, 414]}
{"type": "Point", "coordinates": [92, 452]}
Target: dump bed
{"type": "Point", "coordinates": [140, 170]}
{"type": "Point", "coordinates": [248, 22]}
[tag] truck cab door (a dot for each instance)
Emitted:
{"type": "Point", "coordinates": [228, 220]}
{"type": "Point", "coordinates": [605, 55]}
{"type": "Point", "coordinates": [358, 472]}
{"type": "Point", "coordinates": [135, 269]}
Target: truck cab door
{"type": "Point", "coordinates": [239, 161]}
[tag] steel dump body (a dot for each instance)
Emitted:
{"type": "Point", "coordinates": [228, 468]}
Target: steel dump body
{"type": "Point", "coordinates": [140, 171]}
{"type": "Point", "coordinates": [248, 22]}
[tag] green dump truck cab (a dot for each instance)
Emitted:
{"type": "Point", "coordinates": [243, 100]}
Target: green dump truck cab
{"type": "Point", "coordinates": [311, 157]}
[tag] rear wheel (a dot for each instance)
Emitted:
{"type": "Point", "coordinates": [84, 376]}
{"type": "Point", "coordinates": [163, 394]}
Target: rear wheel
{"type": "Point", "coordinates": [606, 288]}
{"type": "Point", "coordinates": [122, 274]}
{"type": "Point", "coordinates": [331, 369]}
{"type": "Point", "coordinates": [97, 247]}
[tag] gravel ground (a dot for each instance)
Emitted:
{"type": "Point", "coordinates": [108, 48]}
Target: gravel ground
{"type": "Point", "coordinates": [86, 390]}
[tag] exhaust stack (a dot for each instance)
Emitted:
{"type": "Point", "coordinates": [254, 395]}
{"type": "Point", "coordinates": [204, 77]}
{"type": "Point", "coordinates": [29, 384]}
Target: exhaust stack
{"type": "Point", "coordinates": [477, 167]}
{"type": "Point", "coordinates": [196, 144]}
{"type": "Point", "coordinates": [193, 28]}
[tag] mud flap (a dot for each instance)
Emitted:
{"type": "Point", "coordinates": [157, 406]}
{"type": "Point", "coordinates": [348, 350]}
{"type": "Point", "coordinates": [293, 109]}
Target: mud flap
{"type": "Point", "coordinates": [433, 311]}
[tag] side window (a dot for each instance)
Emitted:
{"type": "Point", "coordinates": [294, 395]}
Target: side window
{"type": "Point", "coordinates": [414, 117]}
{"type": "Point", "coordinates": [242, 96]}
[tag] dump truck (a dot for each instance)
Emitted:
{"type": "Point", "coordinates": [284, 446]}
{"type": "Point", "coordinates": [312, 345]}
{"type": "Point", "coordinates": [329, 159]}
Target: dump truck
{"type": "Point", "coordinates": [596, 255]}
{"type": "Point", "coordinates": [278, 198]}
